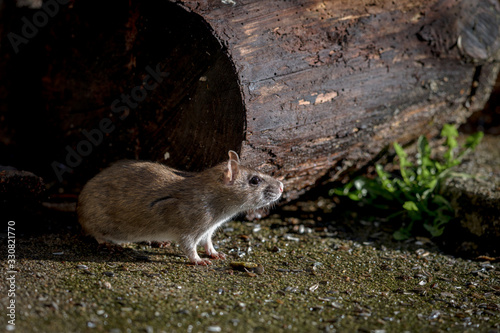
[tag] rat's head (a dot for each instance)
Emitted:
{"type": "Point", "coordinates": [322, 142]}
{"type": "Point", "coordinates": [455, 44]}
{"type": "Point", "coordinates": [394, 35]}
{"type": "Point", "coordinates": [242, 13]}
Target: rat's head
{"type": "Point", "coordinates": [259, 190]}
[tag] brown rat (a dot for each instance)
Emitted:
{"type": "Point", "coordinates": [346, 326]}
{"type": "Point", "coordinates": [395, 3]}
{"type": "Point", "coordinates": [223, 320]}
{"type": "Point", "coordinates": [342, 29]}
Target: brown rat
{"type": "Point", "coordinates": [133, 201]}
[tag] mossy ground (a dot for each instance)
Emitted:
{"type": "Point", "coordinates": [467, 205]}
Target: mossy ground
{"type": "Point", "coordinates": [322, 272]}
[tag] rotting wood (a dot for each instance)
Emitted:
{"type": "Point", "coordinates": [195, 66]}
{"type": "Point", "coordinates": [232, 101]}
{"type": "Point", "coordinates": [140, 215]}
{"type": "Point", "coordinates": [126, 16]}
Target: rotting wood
{"type": "Point", "coordinates": [304, 90]}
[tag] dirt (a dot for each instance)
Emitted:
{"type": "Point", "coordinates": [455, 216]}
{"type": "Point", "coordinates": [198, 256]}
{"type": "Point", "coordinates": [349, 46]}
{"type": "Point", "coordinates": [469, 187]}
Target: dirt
{"type": "Point", "coordinates": [321, 271]}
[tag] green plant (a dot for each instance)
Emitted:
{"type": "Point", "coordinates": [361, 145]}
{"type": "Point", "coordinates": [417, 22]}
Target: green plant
{"type": "Point", "coordinates": [415, 192]}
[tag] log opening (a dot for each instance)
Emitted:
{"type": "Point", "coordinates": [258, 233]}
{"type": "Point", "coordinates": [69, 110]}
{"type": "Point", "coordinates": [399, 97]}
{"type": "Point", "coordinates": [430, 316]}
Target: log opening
{"type": "Point", "coordinates": [110, 80]}
{"type": "Point", "coordinates": [303, 89]}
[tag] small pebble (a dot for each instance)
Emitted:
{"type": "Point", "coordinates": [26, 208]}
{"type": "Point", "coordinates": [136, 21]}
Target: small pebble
{"type": "Point", "coordinates": [259, 269]}
{"type": "Point", "coordinates": [251, 274]}
{"type": "Point", "coordinates": [434, 315]}
{"type": "Point", "coordinates": [316, 308]}
{"type": "Point", "coordinates": [314, 287]}
{"type": "Point", "coordinates": [291, 238]}
{"type": "Point", "coordinates": [275, 249]}
{"type": "Point", "coordinates": [336, 305]}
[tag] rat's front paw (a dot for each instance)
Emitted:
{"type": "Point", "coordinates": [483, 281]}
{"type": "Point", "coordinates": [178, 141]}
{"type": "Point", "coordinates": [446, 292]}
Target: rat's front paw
{"type": "Point", "coordinates": [217, 255]}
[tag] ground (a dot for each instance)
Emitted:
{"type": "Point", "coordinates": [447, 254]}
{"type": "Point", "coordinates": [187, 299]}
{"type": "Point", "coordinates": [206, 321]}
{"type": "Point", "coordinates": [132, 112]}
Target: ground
{"type": "Point", "coordinates": [321, 272]}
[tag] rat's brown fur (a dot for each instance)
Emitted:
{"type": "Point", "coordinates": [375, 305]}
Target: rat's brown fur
{"type": "Point", "coordinates": [134, 201]}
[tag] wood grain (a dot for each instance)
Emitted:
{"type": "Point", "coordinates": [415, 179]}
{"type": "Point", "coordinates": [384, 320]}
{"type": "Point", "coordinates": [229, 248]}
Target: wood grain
{"type": "Point", "coordinates": [305, 90]}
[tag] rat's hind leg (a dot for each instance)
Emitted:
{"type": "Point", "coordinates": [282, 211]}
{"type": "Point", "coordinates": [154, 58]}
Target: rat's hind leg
{"type": "Point", "coordinates": [188, 246]}
{"type": "Point", "coordinates": [206, 241]}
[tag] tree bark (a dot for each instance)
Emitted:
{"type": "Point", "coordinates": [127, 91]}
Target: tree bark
{"type": "Point", "coordinates": [305, 90]}
{"type": "Point", "coordinates": [327, 85]}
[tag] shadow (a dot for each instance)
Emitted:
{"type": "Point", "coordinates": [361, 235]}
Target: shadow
{"type": "Point", "coordinates": [342, 218]}
{"type": "Point", "coordinates": [44, 234]}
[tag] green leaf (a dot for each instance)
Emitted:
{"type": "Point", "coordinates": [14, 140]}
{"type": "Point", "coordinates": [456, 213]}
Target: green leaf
{"type": "Point", "coordinates": [412, 195]}
{"type": "Point", "coordinates": [360, 183]}
{"type": "Point", "coordinates": [342, 191]}
{"type": "Point", "coordinates": [439, 167]}
{"type": "Point", "coordinates": [355, 196]}
{"type": "Point", "coordinates": [431, 187]}
{"type": "Point", "coordinates": [470, 144]}
{"type": "Point", "coordinates": [404, 163]}
{"type": "Point", "coordinates": [442, 201]}
{"type": "Point", "coordinates": [410, 206]}
{"type": "Point", "coordinates": [345, 191]}
{"type": "Point", "coordinates": [423, 147]}
{"type": "Point", "coordinates": [434, 230]}
{"type": "Point", "coordinates": [403, 157]}
{"type": "Point", "coordinates": [387, 184]}
{"type": "Point", "coordinates": [473, 140]}
{"type": "Point", "coordinates": [413, 211]}
{"type": "Point", "coordinates": [450, 132]}
{"type": "Point", "coordinates": [424, 162]}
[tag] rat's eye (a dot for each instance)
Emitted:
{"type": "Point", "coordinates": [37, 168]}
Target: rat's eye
{"type": "Point", "coordinates": [255, 180]}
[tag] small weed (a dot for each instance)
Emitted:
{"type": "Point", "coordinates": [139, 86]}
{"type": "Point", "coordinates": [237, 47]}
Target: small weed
{"type": "Point", "coordinates": [415, 192]}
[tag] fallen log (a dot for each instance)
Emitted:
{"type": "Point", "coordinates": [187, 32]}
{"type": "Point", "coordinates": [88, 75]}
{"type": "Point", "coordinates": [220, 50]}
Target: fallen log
{"type": "Point", "coordinates": [305, 90]}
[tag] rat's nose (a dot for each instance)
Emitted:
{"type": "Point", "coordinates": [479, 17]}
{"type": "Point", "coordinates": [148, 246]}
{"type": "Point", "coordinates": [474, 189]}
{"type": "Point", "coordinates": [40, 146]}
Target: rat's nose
{"type": "Point", "coordinates": [281, 187]}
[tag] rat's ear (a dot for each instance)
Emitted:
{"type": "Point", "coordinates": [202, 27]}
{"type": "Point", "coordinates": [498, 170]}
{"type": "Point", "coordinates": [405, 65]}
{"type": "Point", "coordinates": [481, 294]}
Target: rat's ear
{"type": "Point", "coordinates": [231, 172]}
{"type": "Point", "coordinates": [233, 156]}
